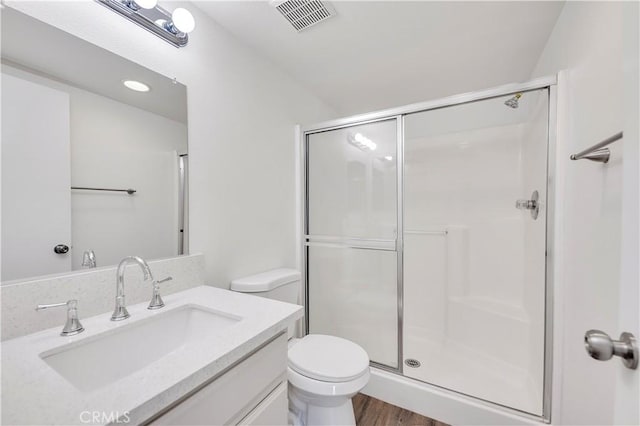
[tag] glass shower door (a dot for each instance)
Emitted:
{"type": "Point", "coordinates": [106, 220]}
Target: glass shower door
{"type": "Point", "coordinates": [474, 254]}
{"type": "Point", "coordinates": [352, 266]}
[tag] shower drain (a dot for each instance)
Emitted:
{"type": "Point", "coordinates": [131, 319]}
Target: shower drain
{"type": "Point", "coordinates": [413, 363]}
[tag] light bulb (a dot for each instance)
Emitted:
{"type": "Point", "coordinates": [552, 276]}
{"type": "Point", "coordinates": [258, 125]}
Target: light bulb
{"type": "Point", "coordinates": [146, 4]}
{"type": "Point", "coordinates": [183, 20]}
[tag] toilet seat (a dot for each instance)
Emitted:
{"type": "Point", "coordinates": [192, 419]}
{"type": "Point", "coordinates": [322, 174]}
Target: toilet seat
{"type": "Point", "coordinates": [328, 359]}
{"type": "Point", "coordinates": [320, 388]}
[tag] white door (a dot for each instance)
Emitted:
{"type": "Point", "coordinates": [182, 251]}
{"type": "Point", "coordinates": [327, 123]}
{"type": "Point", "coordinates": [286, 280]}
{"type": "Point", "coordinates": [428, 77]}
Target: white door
{"type": "Point", "coordinates": [627, 409]}
{"type": "Point", "coordinates": [36, 197]}
{"type": "Point", "coordinates": [601, 285]}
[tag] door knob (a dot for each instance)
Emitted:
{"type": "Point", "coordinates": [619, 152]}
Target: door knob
{"type": "Point", "coordinates": [61, 249]}
{"type": "Point", "coordinates": [601, 347]}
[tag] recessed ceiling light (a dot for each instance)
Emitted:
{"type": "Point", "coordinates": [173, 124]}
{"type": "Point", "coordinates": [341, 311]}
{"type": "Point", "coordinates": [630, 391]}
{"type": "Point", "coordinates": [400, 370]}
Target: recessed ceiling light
{"type": "Point", "coordinates": [136, 85]}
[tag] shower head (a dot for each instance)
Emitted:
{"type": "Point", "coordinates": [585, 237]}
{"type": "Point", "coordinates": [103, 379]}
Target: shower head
{"type": "Point", "coordinates": [513, 102]}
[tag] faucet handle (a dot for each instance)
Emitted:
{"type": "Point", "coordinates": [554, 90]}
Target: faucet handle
{"type": "Point", "coordinates": [52, 305]}
{"type": "Point", "coordinates": [156, 301]}
{"type": "Point", "coordinates": [72, 326]}
{"type": "Point", "coordinates": [89, 259]}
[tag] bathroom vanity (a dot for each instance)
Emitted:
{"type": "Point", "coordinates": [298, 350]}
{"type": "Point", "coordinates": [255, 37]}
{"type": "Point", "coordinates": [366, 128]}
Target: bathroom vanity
{"type": "Point", "coordinates": [210, 356]}
{"type": "Point", "coordinates": [252, 392]}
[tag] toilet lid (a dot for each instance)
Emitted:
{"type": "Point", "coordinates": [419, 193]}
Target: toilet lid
{"type": "Point", "coordinates": [328, 358]}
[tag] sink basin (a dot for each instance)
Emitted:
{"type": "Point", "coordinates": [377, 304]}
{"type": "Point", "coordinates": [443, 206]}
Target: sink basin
{"type": "Point", "coordinates": [107, 357]}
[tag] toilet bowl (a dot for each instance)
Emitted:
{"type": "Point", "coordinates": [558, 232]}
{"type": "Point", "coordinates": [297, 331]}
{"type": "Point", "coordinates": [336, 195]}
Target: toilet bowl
{"type": "Point", "coordinates": [324, 372]}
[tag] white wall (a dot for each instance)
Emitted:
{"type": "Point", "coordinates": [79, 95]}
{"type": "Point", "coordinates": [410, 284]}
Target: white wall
{"type": "Point", "coordinates": [588, 42]}
{"type": "Point", "coordinates": [629, 318]}
{"type": "Point", "coordinates": [242, 112]}
{"type": "Point", "coordinates": [114, 145]}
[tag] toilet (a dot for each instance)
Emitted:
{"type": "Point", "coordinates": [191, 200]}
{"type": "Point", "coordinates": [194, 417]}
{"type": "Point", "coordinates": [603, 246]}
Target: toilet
{"type": "Point", "coordinates": [324, 372]}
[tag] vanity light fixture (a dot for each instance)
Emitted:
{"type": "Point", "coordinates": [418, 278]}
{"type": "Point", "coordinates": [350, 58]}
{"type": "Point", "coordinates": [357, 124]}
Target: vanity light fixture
{"type": "Point", "coordinates": [145, 4]}
{"type": "Point", "coordinates": [136, 86]}
{"type": "Point", "coordinates": [171, 27]}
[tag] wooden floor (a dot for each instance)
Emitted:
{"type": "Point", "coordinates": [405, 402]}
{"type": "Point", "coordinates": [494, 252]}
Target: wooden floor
{"type": "Point", "coordinates": [373, 412]}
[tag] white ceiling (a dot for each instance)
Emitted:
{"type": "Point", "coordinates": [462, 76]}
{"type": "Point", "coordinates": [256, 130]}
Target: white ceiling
{"type": "Point", "coordinates": [40, 47]}
{"type": "Point", "coordinates": [379, 54]}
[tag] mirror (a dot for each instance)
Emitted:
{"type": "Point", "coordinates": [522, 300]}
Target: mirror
{"type": "Point", "coordinates": [88, 164]}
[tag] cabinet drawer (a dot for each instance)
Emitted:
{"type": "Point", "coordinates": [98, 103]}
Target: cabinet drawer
{"type": "Point", "coordinates": [273, 410]}
{"type": "Point", "coordinates": [236, 392]}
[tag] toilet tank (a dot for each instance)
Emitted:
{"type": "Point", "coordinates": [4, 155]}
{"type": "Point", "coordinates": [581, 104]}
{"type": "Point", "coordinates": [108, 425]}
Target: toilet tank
{"type": "Point", "coordinates": [278, 284]}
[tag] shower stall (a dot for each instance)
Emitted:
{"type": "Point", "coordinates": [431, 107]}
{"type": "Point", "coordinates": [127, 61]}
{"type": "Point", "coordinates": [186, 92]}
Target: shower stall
{"type": "Point", "coordinates": [426, 240]}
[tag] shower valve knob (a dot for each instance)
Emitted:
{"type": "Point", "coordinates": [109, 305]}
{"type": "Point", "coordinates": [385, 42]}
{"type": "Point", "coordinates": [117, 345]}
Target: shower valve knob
{"type": "Point", "coordinates": [601, 347]}
{"type": "Point", "coordinates": [525, 204]}
{"type": "Point", "coordinates": [532, 204]}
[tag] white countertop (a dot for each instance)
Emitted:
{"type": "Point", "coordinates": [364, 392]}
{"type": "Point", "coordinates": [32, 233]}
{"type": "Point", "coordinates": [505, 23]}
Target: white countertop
{"type": "Point", "coordinates": [33, 393]}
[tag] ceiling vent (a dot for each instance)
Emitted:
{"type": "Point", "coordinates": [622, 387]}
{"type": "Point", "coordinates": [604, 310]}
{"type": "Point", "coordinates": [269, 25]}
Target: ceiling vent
{"type": "Point", "coordinates": [304, 13]}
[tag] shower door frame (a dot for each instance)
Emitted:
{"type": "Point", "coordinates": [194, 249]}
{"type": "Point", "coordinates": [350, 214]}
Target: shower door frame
{"type": "Point", "coordinates": [399, 113]}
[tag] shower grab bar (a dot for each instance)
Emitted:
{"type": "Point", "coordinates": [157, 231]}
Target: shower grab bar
{"type": "Point", "coordinates": [336, 238]}
{"type": "Point", "coordinates": [351, 242]}
{"type": "Point", "coordinates": [352, 246]}
{"type": "Point", "coordinates": [598, 152]}
{"type": "Point", "coordinates": [418, 232]}
{"type": "Point", "coordinates": [128, 191]}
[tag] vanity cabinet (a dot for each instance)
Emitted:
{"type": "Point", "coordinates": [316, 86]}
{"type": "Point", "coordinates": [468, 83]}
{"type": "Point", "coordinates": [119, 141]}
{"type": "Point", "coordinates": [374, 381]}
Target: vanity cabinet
{"type": "Point", "coordinates": [251, 392]}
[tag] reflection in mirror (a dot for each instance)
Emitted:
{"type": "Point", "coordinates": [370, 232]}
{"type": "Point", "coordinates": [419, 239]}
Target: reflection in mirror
{"type": "Point", "coordinates": [92, 171]}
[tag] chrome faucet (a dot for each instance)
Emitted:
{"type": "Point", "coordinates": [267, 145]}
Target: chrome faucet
{"type": "Point", "coordinates": [120, 312]}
